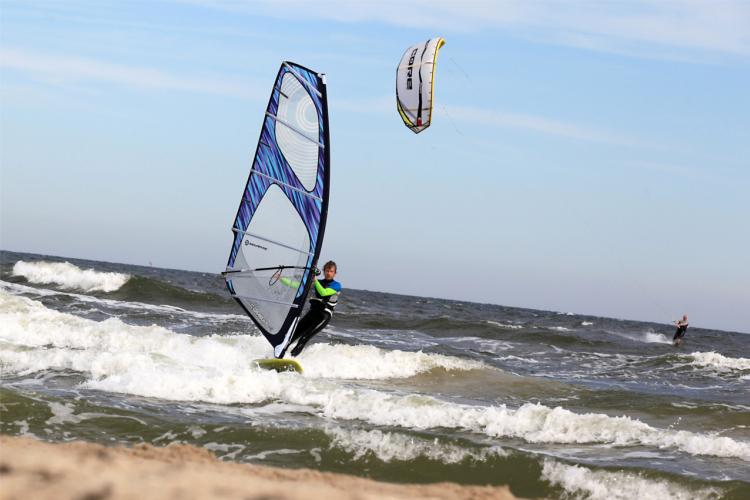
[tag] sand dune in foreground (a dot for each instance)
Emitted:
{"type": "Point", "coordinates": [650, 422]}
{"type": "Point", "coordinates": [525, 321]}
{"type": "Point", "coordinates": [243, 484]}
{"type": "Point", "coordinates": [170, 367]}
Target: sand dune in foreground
{"type": "Point", "coordinates": [40, 470]}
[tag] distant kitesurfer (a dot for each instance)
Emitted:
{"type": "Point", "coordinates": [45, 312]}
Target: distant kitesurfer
{"type": "Point", "coordinates": [682, 326]}
{"type": "Point", "coordinates": [322, 304]}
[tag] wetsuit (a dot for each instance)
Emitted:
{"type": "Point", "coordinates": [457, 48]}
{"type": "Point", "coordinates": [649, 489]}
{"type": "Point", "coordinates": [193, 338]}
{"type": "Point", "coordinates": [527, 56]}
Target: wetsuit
{"type": "Point", "coordinates": [320, 313]}
{"type": "Point", "coordinates": [681, 329]}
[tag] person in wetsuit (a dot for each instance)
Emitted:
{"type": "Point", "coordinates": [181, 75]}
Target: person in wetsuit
{"type": "Point", "coordinates": [325, 297]}
{"type": "Point", "coordinates": [682, 326]}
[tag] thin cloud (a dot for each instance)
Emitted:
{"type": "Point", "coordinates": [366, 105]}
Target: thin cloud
{"type": "Point", "coordinates": [74, 69]}
{"type": "Point", "coordinates": [535, 124]}
{"type": "Point", "coordinates": [633, 28]}
{"type": "Point", "coordinates": [467, 114]}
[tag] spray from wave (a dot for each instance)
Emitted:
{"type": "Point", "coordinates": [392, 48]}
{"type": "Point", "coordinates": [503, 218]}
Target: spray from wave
{"type": "Point", "coordinates": [647, 337]}
{"type": "Point", "coordinates": [69, 276]}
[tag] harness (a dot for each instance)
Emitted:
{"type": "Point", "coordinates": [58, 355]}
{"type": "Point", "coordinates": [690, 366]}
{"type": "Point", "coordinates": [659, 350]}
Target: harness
{"type": "Point", "coordinates": [326, 304]}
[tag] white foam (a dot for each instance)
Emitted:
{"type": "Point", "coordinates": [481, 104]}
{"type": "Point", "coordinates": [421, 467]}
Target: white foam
{"type": "Point", "coordinates": [410, 338]}
{"type": "Point", "coordinates": [152, 361]}
{"type": "Point", "coordinates": [283, 451]}
{"type": "Point", "coordinates": [145, 360]}
{"type": "Point", "coordinates": [582, 482]}
{"type": "Point", "coordinates": [587, 323]}
{"type": "Point", "coordinates": [517, 358]}
{"type": "Point", "coordinates": [559, 329]}
{"type": "Point", "coordinates": [65, 413]}
{"type": "Point", "coordinates": [226, 451]}
{"type": "Point", "coordinates": [478, 343]}
{"type": "Point", "coordinates": [23, 428]}
{"type": "Point", "coordinates": [106, 348]}
{"type": "Point", "coordinates": [369, 362]}
{"type": "Point", "coordinates": [689, 406]}
{"type": "Point", "coordinates": [648, 454]}
{"type": "Point", "coordinates": [197, 431]}
{"type": "Point", "coordinates": [389, 446]}
{"type": "Point", "coordinates": [69, 276]}
{"type": "Point", "coordinates": [719, 362]}
{"type": "Point", "coordinates": [503, 325]}
{"type": "Point", "coordinates": [531, 422]}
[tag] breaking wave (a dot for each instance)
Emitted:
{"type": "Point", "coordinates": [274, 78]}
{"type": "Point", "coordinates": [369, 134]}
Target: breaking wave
{"type": "Point", "coordinates": [69, 276]}
{"type": "Point", "coordinates": [581, 482]}
{"type": "Point", "coordinates": [719, 362]}
{"type": "Point", "coordinates": [123, 358]}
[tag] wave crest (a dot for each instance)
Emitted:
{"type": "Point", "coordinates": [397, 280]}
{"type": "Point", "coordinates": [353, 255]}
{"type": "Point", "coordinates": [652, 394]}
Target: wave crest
{"type": "Point", "coordinates": [69, 276]}
{"type": "Point", "coordinates": [582, 482]}
{"type": "Point", "coordinates": [719, 362]}
{"type": "Point", "coordinates": [392, 446]}
{"type": "Point", "coordinates": [371, 363]}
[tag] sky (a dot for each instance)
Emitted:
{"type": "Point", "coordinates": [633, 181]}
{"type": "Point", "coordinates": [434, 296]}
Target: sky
{"type": "Point", "coordinates": [587, 157]}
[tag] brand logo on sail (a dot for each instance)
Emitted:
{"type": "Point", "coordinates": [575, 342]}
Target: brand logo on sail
{"type": "Point", "coordinates": [247, 242]}
{"type": "Point", "coordinates": [410, 69]}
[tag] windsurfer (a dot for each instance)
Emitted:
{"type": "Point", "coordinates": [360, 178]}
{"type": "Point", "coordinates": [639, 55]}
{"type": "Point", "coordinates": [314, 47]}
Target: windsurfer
{"type": "Point", "coordinates": [322, 304]}
{"type": "Point", "coordinates": [682, 326]}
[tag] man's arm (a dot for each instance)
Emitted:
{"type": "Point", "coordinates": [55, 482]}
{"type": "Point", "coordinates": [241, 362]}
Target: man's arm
{"type": "Point", "coordinates": [289, 282]}
{"type": "Point", "coordinates": [323, 291]}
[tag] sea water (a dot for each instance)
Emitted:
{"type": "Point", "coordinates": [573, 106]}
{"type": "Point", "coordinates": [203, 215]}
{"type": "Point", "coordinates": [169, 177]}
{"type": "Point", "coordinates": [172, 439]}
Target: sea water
{"type": "Point", "coordinates": [397, 388]}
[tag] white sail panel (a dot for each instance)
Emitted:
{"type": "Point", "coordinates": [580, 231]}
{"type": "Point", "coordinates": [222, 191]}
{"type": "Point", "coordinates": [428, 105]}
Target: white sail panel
{"type": "Point", "coordinates": [297, 131]}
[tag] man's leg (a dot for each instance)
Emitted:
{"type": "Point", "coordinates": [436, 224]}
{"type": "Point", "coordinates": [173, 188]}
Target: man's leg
{"type": "Point", "coordinates": [306, 336]}
{"type": "Point", "coordinates": [307, 322]}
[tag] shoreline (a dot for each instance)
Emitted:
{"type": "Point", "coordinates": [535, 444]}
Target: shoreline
{"type": "Point", "coordinates": [30, 468]}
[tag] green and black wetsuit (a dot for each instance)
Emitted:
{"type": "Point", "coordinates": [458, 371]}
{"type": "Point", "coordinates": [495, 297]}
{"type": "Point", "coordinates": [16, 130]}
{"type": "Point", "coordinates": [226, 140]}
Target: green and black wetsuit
{"type": "Point", "coordinates": [321, 310]}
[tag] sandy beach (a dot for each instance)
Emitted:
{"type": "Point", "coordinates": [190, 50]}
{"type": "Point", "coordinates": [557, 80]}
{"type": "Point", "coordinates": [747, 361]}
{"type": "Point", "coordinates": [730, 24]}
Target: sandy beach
{"type": "Point", "coordinates": [34, 469]}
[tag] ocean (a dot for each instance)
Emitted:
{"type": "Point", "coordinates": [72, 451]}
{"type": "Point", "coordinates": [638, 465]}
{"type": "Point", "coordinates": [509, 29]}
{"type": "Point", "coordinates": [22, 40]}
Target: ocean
{"type": "Point", "coordinates": [397, 388]}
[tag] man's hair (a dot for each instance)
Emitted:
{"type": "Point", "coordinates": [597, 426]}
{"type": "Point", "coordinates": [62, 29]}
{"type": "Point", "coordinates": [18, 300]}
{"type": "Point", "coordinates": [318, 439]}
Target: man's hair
{"type": "Point", "coordinates": [330, 263]}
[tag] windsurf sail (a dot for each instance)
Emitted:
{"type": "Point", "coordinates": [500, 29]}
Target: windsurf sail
{"type": "Point", "coordinates": [279, 227]}
{"type": "Point", "coordinates": [415, 84]}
